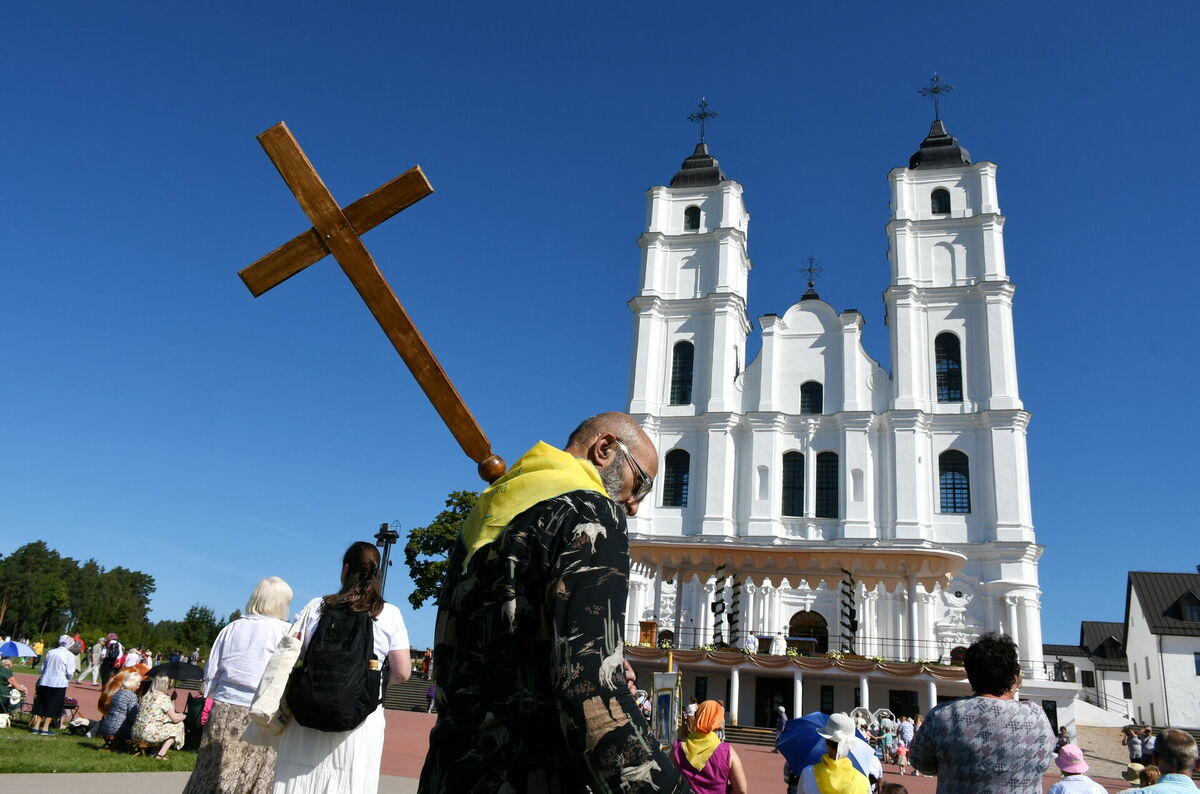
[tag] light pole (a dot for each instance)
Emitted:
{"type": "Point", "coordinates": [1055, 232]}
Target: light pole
{"type": "Point", "coordinates": [385, 538]}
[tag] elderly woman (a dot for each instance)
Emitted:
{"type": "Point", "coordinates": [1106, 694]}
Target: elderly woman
{"type": "Point", "coordinates": [991, 742]}
{"type": "Point", "coordinates": [157, 721]}
{"type": "Point", "coordinates": [708, 764]}
{"type": "Point", "coordinates": [8, 683]}
{"type": "Point", "coordinates": [225, 764]}
{"type": "Point", "coordinates": [57, 670]}
{"type": "Point", "coordinates": [122, 709]}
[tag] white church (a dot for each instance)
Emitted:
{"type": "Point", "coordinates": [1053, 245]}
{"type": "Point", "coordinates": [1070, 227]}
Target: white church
{"type": "Point", "coordinates": [826, 534]}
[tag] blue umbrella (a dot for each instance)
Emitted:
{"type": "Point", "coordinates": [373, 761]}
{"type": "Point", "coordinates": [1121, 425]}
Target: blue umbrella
{"type": "Point", "coordinates": [13, 648]}
{"type": "Point", "coordinates": [802, 747]}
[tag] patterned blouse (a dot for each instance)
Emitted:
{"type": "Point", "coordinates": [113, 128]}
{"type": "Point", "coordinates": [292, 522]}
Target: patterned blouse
{"type": "Point", "coordinates": [985, 744]}
{"type": "Point", "coordinates": [529, 662]}
{"type": "Point", "coordinates": [122, 711]}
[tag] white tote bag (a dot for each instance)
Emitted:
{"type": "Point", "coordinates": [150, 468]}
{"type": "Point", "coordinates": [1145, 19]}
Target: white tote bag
{"type": "Point", "coordinates": [267, 708]}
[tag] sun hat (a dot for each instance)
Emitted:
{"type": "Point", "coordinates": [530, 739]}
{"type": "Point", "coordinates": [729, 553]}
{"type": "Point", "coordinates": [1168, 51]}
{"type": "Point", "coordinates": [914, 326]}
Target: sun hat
{"type": "Point", "coordinates": [1133, 772]}
{"type": "Point", "coordinates": [64, 640]}
{"type": "Point", "coordinates": [1070, 760]}
{"type": "Point", "coordinates": [838, 728]}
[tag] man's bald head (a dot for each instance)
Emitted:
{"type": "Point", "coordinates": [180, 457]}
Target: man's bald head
{"type": "Point", "coordinates": [599, 439]}
{"type": "Point", "coordinates": [1175, 752]}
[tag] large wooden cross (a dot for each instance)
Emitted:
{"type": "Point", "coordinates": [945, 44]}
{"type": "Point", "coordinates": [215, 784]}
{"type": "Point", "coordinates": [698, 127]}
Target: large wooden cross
{"type": "Point", "coordinates": [336, 231]}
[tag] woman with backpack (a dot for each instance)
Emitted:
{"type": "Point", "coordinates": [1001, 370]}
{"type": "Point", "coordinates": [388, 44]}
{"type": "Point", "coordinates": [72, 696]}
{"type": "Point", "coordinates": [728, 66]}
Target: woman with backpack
{"type": "Point", "coordinates": [334, 739]}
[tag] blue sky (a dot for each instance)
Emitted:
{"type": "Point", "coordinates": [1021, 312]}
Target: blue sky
{"type": "Point", "coordinates": [158, 417]}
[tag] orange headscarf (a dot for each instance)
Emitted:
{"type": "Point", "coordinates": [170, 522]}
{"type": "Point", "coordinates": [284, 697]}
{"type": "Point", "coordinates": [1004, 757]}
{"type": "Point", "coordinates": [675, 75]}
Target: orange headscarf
{"type": "Point", "coordinates": [701, 742]}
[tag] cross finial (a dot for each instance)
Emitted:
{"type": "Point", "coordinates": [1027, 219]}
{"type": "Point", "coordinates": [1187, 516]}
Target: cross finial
{"type": "Point", "coordinates": [704, 115]}
{"type": "Point", "coordinates": [813, 268]}
{"type": "Point", "coordinates": [935, 89]}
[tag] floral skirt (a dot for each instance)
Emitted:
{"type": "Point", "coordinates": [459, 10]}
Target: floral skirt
{"type": "Point", "coordinates": [224, 763]}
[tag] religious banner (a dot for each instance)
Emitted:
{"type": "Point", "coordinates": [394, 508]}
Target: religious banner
{"type": "Point", "coordinates": [667, 711]}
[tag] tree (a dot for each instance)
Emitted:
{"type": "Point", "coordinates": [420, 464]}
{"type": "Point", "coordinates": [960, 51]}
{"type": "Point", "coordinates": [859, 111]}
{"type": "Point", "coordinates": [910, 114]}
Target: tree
{"type": "Point", "coordinates": [428, 547]}
{"type": "Point", "coordinates": [198, 630]}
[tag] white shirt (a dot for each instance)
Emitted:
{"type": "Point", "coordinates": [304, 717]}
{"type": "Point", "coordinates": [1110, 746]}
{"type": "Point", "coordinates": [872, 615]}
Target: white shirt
{"type": "Point", "coordinates": [132, 657]}
{"type": "Point", "coordinates": [1076, 784]}
{"type": "Point", "coordinates": [239, 657]}
{"type": "Point", "coordinates": [58, 667]}
{"type": "Point", "coordinates": [389, 635]}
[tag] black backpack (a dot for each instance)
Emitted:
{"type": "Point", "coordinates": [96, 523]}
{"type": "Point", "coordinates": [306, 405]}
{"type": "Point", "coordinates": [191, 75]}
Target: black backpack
{"type": "Point", "coordinates": [335, 684]}
{"type": "Point", "coordinates": [113, 651]}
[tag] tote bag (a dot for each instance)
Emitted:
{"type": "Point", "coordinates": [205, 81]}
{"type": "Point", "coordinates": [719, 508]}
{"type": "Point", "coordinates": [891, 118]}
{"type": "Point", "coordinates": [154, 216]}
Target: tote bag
{"type": "Point", "coordinates": [266, 710]}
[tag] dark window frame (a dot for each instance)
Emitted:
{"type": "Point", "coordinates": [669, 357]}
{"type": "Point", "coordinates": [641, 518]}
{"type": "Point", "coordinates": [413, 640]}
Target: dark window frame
{"type": "Point", "coordinates": [939, 201]}
{"type": "Point", "coordinates": [683, 357]}
{"type": "Point", "coordinates": [954, 482]}
{"type": "Point", "coordinates": [676, 466]}
{"type": "Point", "coordinates": [793, 484]}
{"type": "Point", "coordinates": [812, 397]}
{"type": "Point", "coordinates": [948, 367]}
{"type": "Point", "coordinates": [827, 486]}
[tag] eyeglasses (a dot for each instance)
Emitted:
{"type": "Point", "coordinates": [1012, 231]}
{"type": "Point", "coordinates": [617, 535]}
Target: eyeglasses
{"type": "Point", "coordinates": [645, 481]}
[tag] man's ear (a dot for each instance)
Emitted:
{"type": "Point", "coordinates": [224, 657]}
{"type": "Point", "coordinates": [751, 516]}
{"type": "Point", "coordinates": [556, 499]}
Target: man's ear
{"type": "Point", "coordinates": [602, 450]}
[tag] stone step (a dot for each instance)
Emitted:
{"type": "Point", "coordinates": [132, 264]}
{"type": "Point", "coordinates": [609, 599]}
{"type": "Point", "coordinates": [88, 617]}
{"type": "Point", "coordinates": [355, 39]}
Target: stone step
{"type": "Point", "coordinates": [763, 737]}
{"type": "Point", "coordinates": [408, 696]}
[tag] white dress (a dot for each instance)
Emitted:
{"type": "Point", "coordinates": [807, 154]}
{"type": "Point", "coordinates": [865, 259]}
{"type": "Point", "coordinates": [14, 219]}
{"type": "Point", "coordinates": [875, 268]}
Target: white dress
{"type": "Point", "coordinates": [346, 762]}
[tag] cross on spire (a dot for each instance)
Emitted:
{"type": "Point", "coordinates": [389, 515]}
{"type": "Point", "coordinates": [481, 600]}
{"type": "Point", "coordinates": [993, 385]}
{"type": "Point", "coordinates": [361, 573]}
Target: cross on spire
{"type": "Point", "coordinates": [813, 268]}
{"type": "Point", "coordinates": [704, 115]}
{"type": "Point", "coordinates": [935, 89]}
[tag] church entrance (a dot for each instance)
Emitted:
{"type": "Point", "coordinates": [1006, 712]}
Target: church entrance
{"type": "Point", "coordinates": [769, 695]}
{"type": "Point", "coordinates": [808, 633]}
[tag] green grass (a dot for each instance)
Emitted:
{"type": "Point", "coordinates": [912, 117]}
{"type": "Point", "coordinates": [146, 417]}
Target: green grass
{"type": "Point", "coordinates": [21, 751]}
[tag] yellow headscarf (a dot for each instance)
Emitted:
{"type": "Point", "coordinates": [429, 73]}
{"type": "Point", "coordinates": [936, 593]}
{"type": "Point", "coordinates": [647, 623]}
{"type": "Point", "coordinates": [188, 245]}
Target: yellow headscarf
{"type": "Point", "coordinates": [542, 473]}
{"type": "Point", "coordinates": [701, 742]}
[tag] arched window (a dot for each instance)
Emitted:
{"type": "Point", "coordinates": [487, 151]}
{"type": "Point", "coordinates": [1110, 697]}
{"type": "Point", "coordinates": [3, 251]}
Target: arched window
{"type": "Point", "coordinates": [808, 632]}
{"type": "Point", "coordinates": [793, 484]}
{"type": "Point", "coordinates": [954, 481]}
{"type": "Point", "coordinates": [675, 481]}
{"type": "Point", "coordinates": [947, 356]}
{"type": "Point", "coordinates": [939, 201]}
{"type": "Point", "coordinates": [827, 485]}
{"type": "Point", "coordinates": [691, 219]}
{"type": "Point", "coordinates": [681, 374]}
{"type": "Point", "coordinates": [812, 396]}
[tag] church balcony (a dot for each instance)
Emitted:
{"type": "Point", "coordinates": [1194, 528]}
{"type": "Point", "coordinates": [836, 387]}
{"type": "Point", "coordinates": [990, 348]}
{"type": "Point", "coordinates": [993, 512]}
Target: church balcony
{"type": "Point", "coordinates": [878, 563]}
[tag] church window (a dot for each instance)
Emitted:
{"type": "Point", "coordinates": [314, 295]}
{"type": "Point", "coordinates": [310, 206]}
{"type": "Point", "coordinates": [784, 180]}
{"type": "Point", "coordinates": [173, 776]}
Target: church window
{"type": "Point", "coordinates": [691, 219]}
{"type": "Point", "coordinates": [940, 201]}
{"type": "Point", "coordinates": [681, 374]}
{"type": "Point", "coordinates": [675, 481]}
{"type": "Point", "coordinates": [954, 481]}
{"type": "Point", "coordinates": [811, 397]}
{"type": "Point", "coordinates": [793, 484]}
{"type": "Point", "coordinates": [808, 632]}
{"type": "Point", "coordinates": [947, 354]}
{"type": "Point", "coordinates": [827, 485]}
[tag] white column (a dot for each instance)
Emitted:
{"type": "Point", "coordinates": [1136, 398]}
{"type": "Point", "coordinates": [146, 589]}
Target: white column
{"type": "Point", "coordinates": [679, 588]}
{"type": "Point", "coordinates": [735, 690]}
{"type": "Point", "coordinates": [705, 618]}
{"type": "Point", "coordinates": [1010, 619]}
{"type": "Point", "coordinates": [658, 583]}
{"type": "Point", "coordinates": [869, 622]}
{"type": "Point", "coordinates": [930, 694]}
{"type": "Point", "coordinates": [913, 629]}
{"type": "Point", "coordinates": [749, 615]}
{"type": "Point", "coordinates": [1031, 630]}
{"type": "Point", "coordinates": [864, 698]}
{"type": "Point", "coordinates": [797, 693]}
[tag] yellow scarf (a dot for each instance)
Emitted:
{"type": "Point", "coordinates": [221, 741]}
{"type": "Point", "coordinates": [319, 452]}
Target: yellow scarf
{"type": "Point", "coordinates": [542, 473]}
{"type": "Point", "coordinates": [698, 747]}
{"type": "Point", "coordinates": [839, 776]}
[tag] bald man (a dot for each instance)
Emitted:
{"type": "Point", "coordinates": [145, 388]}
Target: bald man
{"type": "Point", "coordinates": [529, 646]}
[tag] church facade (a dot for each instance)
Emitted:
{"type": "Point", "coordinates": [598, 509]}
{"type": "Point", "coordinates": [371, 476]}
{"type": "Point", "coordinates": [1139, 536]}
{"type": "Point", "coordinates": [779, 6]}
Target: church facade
{"type": "Point", "coordinates": [825, 533]}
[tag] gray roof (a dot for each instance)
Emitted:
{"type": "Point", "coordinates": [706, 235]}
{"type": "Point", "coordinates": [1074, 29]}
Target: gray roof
{"type": "Point", "coordinates": [1092, 633]}
{"type": "Point", "coordinates": [940, 149]}
{"type": "Point", "coordinates": [700, 169]}
{"type": "Point", "coordinates": [1159, 594]}
{"type": "Point", "coordinates": [1063, 650]}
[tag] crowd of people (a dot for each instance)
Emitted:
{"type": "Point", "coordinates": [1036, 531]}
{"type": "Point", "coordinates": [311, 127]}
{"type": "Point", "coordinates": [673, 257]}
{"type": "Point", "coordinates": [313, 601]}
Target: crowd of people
{"type": "Point", "coordinates": [528, 675]}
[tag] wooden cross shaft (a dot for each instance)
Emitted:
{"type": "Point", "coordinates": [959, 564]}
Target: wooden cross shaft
{"type": "Point", "coordinates": [336, 231]}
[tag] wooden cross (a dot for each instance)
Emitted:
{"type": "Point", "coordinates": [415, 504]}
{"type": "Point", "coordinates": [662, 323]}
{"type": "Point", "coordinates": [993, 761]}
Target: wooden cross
{"type": "Point", "coordinates": [336, 231]}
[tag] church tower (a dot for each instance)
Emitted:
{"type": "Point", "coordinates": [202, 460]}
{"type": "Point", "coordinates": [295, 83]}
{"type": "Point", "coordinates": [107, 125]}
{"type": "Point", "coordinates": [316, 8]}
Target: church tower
{"type": "Point", "coordinates": [957, 424]}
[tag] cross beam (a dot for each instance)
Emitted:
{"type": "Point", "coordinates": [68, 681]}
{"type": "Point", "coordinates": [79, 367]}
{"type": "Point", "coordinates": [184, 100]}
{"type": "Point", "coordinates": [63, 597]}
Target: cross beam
{"type": "Point", "coordinates": [336, 231]}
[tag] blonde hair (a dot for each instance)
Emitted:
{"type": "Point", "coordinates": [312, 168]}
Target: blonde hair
{"type": "Point", "coordinates": [6, 662]}
{"type": "Point", "coordinates": [132, 681]}
{"type": "Point", "coordinates": [160, 683]}
{"type": "Point", "coordinates": [272, 597]}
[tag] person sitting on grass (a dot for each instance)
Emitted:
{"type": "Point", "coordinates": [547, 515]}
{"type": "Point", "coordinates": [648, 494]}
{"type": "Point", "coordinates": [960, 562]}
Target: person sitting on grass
{"type": "Point", "coordinates": [122, 710]}
{"type": "Point", "coordinates": [157, 721]}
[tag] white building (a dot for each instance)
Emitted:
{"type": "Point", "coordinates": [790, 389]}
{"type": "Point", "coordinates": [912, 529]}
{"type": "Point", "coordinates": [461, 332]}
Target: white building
{"type": "Point", "coordinates": [812, 470]}
{"type": "Point", "coordinates": [1098, 666]}
{"type": "Point", "coordinates": [1162, 642]}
